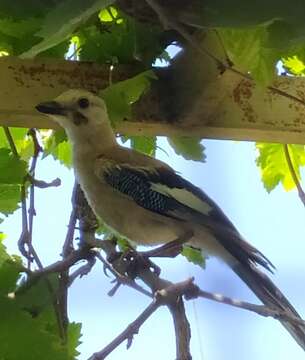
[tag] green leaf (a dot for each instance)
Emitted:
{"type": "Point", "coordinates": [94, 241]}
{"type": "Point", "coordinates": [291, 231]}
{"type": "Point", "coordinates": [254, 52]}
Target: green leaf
{"type": "Point", "coordinates": [188, 147]}
{"type": "Point", "coordinates": [273, 164]}
{"type": "Point", "coordinates": [62, 21]}
{"type": "Point", "coordinates": [123, 41]}
{"type": "Point", "coordinates": [294, 65]}
{"type": "Point", "coordinates": [123, 244]}
{"type": "Point", "coordinates": [10, 267]}
{"type": "Point", "coordinates": [12, 173]}
{"type": "Point", "coordinates": [23, 142]}
{"type": "Point", "coordinates": [250, 52]}
{"type": "Point", "coordinates": [241, 13]}
{"type": "Point", "coordinates": [34, 337]}
{"type": "Point", "coordinates": [19, 28]}
{"type": "Point", "coordinates": [34, 294]}
{"type": "Point", "coordinates": [64, 154]}
{"type": "Point", "coordinates": [194, 256]}
{"type": "Point", "coordinates": [57, 145]}
{"type": "Point", "coordinates": [74, 335]}
{"type": "Point", "coordinates": [120, 96]}
{"type": "Point", "coordinates": [12, 169]}
{"type": "Point", "coordinates": [144, 144]}
{"type": "Point", "coordinates": [110, 15]}
{"type": "Point", "coordinates": [21, 9]}
{"type": "Point", "coordinates": [10, 196]}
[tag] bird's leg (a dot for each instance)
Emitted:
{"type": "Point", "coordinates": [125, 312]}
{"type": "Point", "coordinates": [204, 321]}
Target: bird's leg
{"type": "Point", "coordinates": [171, 249]}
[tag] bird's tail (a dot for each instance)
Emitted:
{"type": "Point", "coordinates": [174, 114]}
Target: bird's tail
{"type": "Point", "coordinates": [272, 297]}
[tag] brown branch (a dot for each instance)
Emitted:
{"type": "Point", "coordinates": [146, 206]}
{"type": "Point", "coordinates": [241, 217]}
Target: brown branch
{"type": "Point", "coordinates": [169, 22]}
{"type": "Point", "coordinates": [43, 184]}
{"type": "Point", "coordinates": [62, 265]}
{"type": "Point", "coordinates": [128, 333]}
{"type": "Point", "coordinates": [25, 237]}
{"type": "Point", "coordinates": [258, 309]}
{"type": "Point", "coordinates": [294, 174]}
{"type": "Point", "coordinates": [67, 249]}
{"type": "Point", "coordinates": [144, 269]}
{"type": "Point", "coordinates": [31, 210]}
{"type": "Point", "coordinates": [170, 296]}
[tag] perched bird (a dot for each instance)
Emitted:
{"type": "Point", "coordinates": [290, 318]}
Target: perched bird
{"type": "Point", "coordinates": [144, 200]}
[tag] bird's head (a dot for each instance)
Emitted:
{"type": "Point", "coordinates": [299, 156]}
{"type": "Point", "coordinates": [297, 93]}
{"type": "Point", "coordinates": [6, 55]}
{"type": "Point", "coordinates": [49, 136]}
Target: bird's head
{"type": "Point", "coordinates": [75, 110]}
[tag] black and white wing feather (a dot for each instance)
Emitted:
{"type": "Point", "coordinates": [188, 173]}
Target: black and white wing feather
{"type": "Point", "coordinates": [163, 191]}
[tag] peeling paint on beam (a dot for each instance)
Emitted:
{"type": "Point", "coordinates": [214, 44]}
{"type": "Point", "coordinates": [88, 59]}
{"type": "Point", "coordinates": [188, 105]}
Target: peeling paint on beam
{"type": "Point", "coordinates": [222, 107]}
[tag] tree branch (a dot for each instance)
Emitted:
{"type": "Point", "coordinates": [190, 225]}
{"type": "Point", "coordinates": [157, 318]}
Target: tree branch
{"type": "Point", "coordinates": [170, 296]}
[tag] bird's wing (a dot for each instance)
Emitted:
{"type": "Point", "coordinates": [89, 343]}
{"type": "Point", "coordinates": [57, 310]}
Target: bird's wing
{"type": "Point", "coordinates": [158, 188]}
{"type": "Point", "coordinates": [161, 190]}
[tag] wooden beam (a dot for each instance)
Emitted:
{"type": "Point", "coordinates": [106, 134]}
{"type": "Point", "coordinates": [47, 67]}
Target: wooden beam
{"type": "Point", "coordinates": [224, 107]}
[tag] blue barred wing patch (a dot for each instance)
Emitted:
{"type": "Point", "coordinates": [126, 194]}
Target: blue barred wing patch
{"type": "Point", "coordinates": [137, 186]}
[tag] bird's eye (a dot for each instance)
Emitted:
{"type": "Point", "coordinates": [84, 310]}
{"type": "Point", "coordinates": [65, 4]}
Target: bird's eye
{"type": "Point", "coordinates": [83, 103]}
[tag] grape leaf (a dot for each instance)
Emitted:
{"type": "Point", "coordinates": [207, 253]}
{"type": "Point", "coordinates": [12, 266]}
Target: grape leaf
{"type": "Point", "coordinates": [249, 51]}
{"type": "Point", "coordinates": [144, 144]}
{"type": "Point", "coordinates": [12, 169]}
{"type": "Point", "coordinates": [20, 9]}
{"type": "Point", "coordinates": [273, 164]}
{"type": "Point", "coordinates": [123, 41]}
{"type": "Point", "coordinates": [19, 28]}
{"type": "Point", "coordinates": [12, 173]}
{"type": "Point", "coordinates": [294, 65]}
{"type": "Point", "coordinates": [194, 256]}
{"type": "Point", "coordinates": [120, 96]}
{"type": "Point", "coordinates": [110, 14]}
{"type": "Point", "coordinates": [10, 196]}
{"type": "Point", "coordinates": [74, 334]}
{"type": "Point", "coordinates": [57, 145]}
{"type": "Point", "coordinates": [62, 21]}
{"type": "Point", "coordinates": [34, 294]}
{"type": "Point", "coordinates": [240, 13]}
{"type": "Point", "coordinates": [10, 268]}
{"type": "Point", "coordinates": [23, 143]}
{"type": "Point", "coordinates": [188, 147]}
{"type": "Point", "coordinates": [34, 339]}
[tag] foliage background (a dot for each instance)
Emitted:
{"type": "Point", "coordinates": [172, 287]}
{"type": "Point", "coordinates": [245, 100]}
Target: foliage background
{"type": "Point", "coordinates": [255, 41]}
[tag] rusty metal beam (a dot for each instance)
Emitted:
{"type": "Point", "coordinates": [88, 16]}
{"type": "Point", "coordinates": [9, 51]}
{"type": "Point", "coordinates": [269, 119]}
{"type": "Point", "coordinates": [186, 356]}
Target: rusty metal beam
{"type": "Point", "coordinates": [224, 107]}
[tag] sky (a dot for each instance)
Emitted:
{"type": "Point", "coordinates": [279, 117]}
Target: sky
{"type": "Point", "coordinates": [274, 223]}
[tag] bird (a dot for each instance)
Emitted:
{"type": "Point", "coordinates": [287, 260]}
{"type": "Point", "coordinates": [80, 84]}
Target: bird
{"type": "Point", "coordinates": [144, 200]}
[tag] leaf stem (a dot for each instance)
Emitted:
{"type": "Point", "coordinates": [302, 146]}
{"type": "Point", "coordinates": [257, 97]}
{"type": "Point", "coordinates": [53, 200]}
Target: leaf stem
{"type": "Point", "coordinates": [293, 173]}
{"type": "Point", "coordinates": [10, 140]}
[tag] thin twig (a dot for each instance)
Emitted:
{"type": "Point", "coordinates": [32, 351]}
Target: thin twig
{"type": "Point", "coordinates": [182, 329]}
{"type": "Point", "coordinates": [293, 174]}
{"type": "Point", "coordinates": [24, 237]}
{"type": "Point", "coordinates": [64, 280]}
{"type": "Point", "coordinates": [43, 184]}
{"type": "Point", "coordinates": [258, 309]}
{"type": "Point", "coordinates": [128, 333]}
{"type": "Point", "coordinates": [30, 253]}
{"type": "Point", "coordinates": [228, 60]}
{"type": "Point", "coordinates": [32, 211]}
{"type": "Point", "coordinates": [170, 296]}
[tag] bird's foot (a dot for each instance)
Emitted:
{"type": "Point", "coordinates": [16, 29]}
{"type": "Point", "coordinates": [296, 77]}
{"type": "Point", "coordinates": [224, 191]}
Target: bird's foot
{"type": "Point", "coordinates": [136, 261]}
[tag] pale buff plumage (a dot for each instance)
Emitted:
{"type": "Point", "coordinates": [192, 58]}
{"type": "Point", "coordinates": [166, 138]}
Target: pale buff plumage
{"type": "Point", "coordinates": [96, 153]}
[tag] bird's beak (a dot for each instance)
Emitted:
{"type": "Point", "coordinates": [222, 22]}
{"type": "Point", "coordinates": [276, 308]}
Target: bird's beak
{"type": "Point", "coordinates": [51, 108]}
